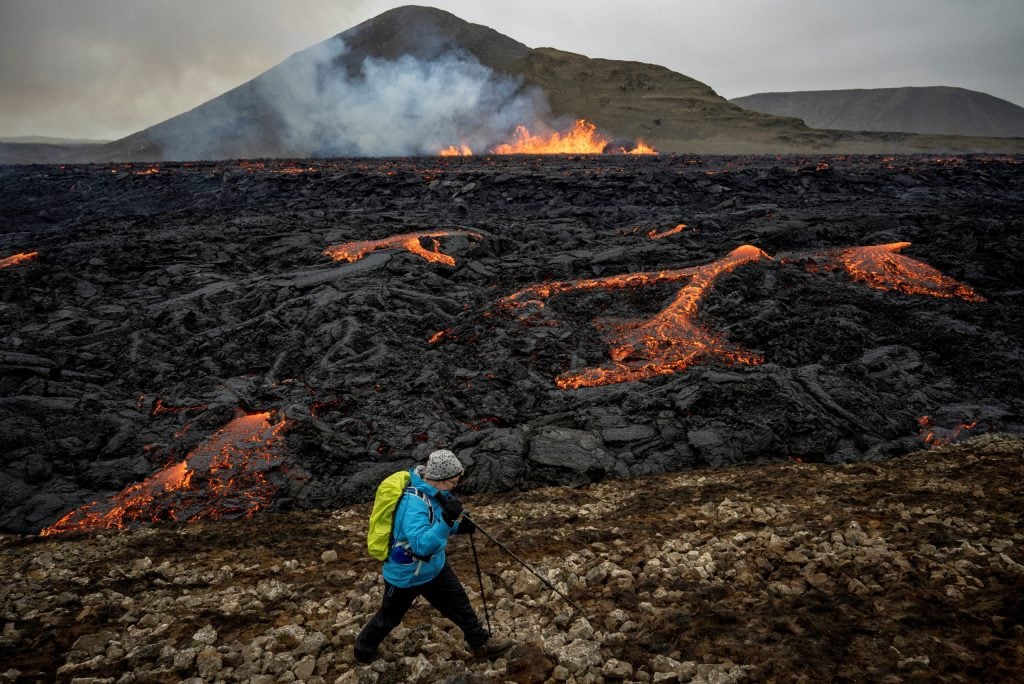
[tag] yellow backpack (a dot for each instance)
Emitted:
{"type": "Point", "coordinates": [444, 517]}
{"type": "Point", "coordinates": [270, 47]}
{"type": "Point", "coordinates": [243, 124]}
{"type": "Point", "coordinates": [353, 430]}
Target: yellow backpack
{"type": "Point", "coordinates": [382, 517]}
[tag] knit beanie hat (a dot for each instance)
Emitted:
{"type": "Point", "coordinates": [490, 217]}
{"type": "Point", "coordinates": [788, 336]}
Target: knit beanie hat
{"type": "Point", "coordinates": [442, 465]}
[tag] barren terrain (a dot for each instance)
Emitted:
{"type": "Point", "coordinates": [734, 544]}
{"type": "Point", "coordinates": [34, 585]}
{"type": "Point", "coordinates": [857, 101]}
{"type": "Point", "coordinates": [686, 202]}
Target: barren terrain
{"type": "Point", "coordinates": [903, 570]}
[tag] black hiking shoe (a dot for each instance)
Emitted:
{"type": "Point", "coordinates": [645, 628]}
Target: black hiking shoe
{"type": "Point", "coordinates": [365, 657]}
{"type": "Point", "coordinates": [492, 648]}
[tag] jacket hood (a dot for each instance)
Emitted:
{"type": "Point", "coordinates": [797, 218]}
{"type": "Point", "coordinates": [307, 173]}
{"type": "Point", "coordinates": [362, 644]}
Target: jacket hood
{"type": "Point", "coordinates": [417, 481]}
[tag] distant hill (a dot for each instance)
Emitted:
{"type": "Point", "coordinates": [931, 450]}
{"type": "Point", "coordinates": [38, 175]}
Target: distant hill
{"type": "Point", "coordinates": [935, 109]}
{"type": "Point", "coordinates": [40, 150]}
{"type": "Point", "coordinates": [48, 140]}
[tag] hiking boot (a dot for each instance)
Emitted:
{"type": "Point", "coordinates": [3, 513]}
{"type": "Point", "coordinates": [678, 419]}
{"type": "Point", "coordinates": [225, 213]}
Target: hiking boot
{"type": "Point", "coordinates": [492, 648]}
{"type": "Point", "coordinates": [365, 657]}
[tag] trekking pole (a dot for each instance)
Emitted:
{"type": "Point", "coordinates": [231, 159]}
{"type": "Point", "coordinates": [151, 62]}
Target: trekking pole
{"type": "Point", "coordinates": [527, 566]}
{"type": "Point", "coordinates": [480, 577]}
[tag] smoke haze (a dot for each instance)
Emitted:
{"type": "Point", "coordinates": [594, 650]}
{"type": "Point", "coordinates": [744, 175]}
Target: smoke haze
{"type": "Point", "coordinates": [109, 68]}
{"type": "Point", "coordinates": [308, 106]}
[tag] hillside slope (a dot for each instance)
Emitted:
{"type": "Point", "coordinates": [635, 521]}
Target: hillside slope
{"type": "Point", "coordinates": [929, 110]}
{"type": "Point", "coordinates": [908, 569]}
{"type": "Point", "coordinates": [416, 79]}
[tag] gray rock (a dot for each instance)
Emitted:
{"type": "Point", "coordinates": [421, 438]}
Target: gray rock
{"type": "Point", "coordinates": [575, 450]}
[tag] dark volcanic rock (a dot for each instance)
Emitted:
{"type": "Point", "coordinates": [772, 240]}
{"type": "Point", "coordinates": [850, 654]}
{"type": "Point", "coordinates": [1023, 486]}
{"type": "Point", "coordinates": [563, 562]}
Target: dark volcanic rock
{"type": "Point", "coordinates": [165, 299]}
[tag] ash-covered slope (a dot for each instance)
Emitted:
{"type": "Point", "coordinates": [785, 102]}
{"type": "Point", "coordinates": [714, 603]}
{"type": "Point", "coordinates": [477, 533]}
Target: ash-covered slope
{"type": "Point", "coordinates": [933, 110]}
{"type": "Point", "coordinates": [552, 320]}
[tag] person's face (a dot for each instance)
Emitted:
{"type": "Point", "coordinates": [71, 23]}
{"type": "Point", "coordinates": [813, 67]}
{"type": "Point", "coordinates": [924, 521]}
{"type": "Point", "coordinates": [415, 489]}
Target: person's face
{"type": "Point", "coordinates": [450, 484]}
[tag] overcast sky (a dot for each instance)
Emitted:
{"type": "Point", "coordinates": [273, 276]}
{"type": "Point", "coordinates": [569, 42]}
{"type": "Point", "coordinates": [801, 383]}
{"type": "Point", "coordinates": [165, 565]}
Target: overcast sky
{"type": "Point", "coordinates": [107, 68]}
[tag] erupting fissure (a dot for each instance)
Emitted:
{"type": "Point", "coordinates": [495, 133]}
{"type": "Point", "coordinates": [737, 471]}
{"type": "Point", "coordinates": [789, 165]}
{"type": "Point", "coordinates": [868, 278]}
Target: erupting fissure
{"type": "Point", "coordinates": [582, 138]}
{"type": "Point", "coordinates": [225, 477]}
{"type": "Point", "coordinates": [356, 250]}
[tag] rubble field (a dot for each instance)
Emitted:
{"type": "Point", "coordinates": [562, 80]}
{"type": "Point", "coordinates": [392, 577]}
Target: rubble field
{"type": "Point", "coordinates": [900, 570]}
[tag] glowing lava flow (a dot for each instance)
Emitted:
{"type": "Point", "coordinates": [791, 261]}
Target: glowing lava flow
{"type": "Point", "coordinates": [655, 235]}
{"type": "Point", "coordinates": [222, 478]}
{"type": "Point", "coordinates": [354, 251]}
{"type": "Point", "coordinates": [669, 342]}
{"type": "Point", "coordinates": [15, 259]}
{"type": "Point", "coordinates": [881, 268]}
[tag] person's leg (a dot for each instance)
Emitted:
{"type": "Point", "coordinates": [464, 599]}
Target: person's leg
{"type": "Point", "coordinates": [392, 609]}
{"type": "Point", "coordinates": [447, 594]}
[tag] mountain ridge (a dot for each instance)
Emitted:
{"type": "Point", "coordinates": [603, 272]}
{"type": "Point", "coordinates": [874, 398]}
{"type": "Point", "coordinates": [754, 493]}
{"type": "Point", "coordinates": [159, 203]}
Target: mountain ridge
{"type": "Point", "coordinates": [941, 110]}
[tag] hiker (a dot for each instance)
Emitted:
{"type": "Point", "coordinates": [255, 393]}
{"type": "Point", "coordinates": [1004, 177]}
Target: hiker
{"type": "Point", "coordinates": [426, 514]}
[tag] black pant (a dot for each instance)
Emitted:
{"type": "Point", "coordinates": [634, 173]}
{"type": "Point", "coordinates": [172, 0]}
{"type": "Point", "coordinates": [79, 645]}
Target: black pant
{"type": "Point", "coordinates": [444, 592]}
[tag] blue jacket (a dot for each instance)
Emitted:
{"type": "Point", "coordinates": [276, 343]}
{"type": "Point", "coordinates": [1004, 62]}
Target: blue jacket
{"type": "Point", "coordinates": [422, 554]}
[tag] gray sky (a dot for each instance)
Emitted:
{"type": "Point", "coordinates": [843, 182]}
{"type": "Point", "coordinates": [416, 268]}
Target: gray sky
{"type": "Point", "coordinates": [107, 68]}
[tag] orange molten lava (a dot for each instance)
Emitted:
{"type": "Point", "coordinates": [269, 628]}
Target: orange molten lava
{"type": "Point", "coordinates": [462, 150]}
{"type": "Point", "coordinates": [354, 251]}
{"type": "Point", "coordinates": [655, 235]}
{"type": "Point", "coordinates": [223, 477]}
{"type": "Point", "coordinates": [669, 342]}
{"type": "Point", "coordinates": [582, 138]}
{"type": "Point", "coordinates": [881, 268]}
{"type": "Point", "coordinates": [438, 336]}
{"type": "Point", "coordinates": [15, 259]}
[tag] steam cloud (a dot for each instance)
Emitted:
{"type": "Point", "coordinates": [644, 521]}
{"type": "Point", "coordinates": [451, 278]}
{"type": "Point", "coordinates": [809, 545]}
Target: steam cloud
{"type": "Point", "coordinates": [309, 106]}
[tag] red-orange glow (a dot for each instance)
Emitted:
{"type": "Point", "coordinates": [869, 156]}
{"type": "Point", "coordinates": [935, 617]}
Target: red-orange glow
{"type": "Point", "coordinates": [669, 342]}
{"type": "Point", "coordinates": [147, 172]}
{"type": "Point", "coordinates": [438, 336]}
{"type": "Point", "coordinates": [935, 436]}
{"type": "Point", "coordinates": [881, 268]}
{"type": "Point", "coordinates": [462, 150]}
{"type": "Point", "coordinates": [15, 259]}
{"type": "Point", "coordinates": [223, 477]}
{"type": "Point", "coordinates": [354, 251]}
{"type": "Point", "coordinates": [642, 148]}
{"type": "Point", "coordinates": [581, 139]}
{"type": "Point", "coordinates": [655, 235]}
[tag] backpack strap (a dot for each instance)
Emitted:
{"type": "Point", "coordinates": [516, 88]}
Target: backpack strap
{"type": "Point", "coordinates": [424, 498]}
{"type": "Point", "coordinates": [430, 511]}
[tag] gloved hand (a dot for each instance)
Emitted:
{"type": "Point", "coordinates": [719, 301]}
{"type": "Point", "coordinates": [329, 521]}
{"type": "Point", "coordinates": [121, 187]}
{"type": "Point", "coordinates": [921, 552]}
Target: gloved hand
{"type": "Point", "coordinates": [466, 526]}
{"type": "Point", "coordinates": [451, 509]}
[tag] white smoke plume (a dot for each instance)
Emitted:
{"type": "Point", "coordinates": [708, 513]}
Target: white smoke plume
{"type": "Point", "coordinates": [308, 106]}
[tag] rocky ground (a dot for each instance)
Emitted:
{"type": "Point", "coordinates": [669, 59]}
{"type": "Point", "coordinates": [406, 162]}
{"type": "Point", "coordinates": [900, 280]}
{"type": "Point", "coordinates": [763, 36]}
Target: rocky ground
{"type": "Point", "coordinates": [907, 569]}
